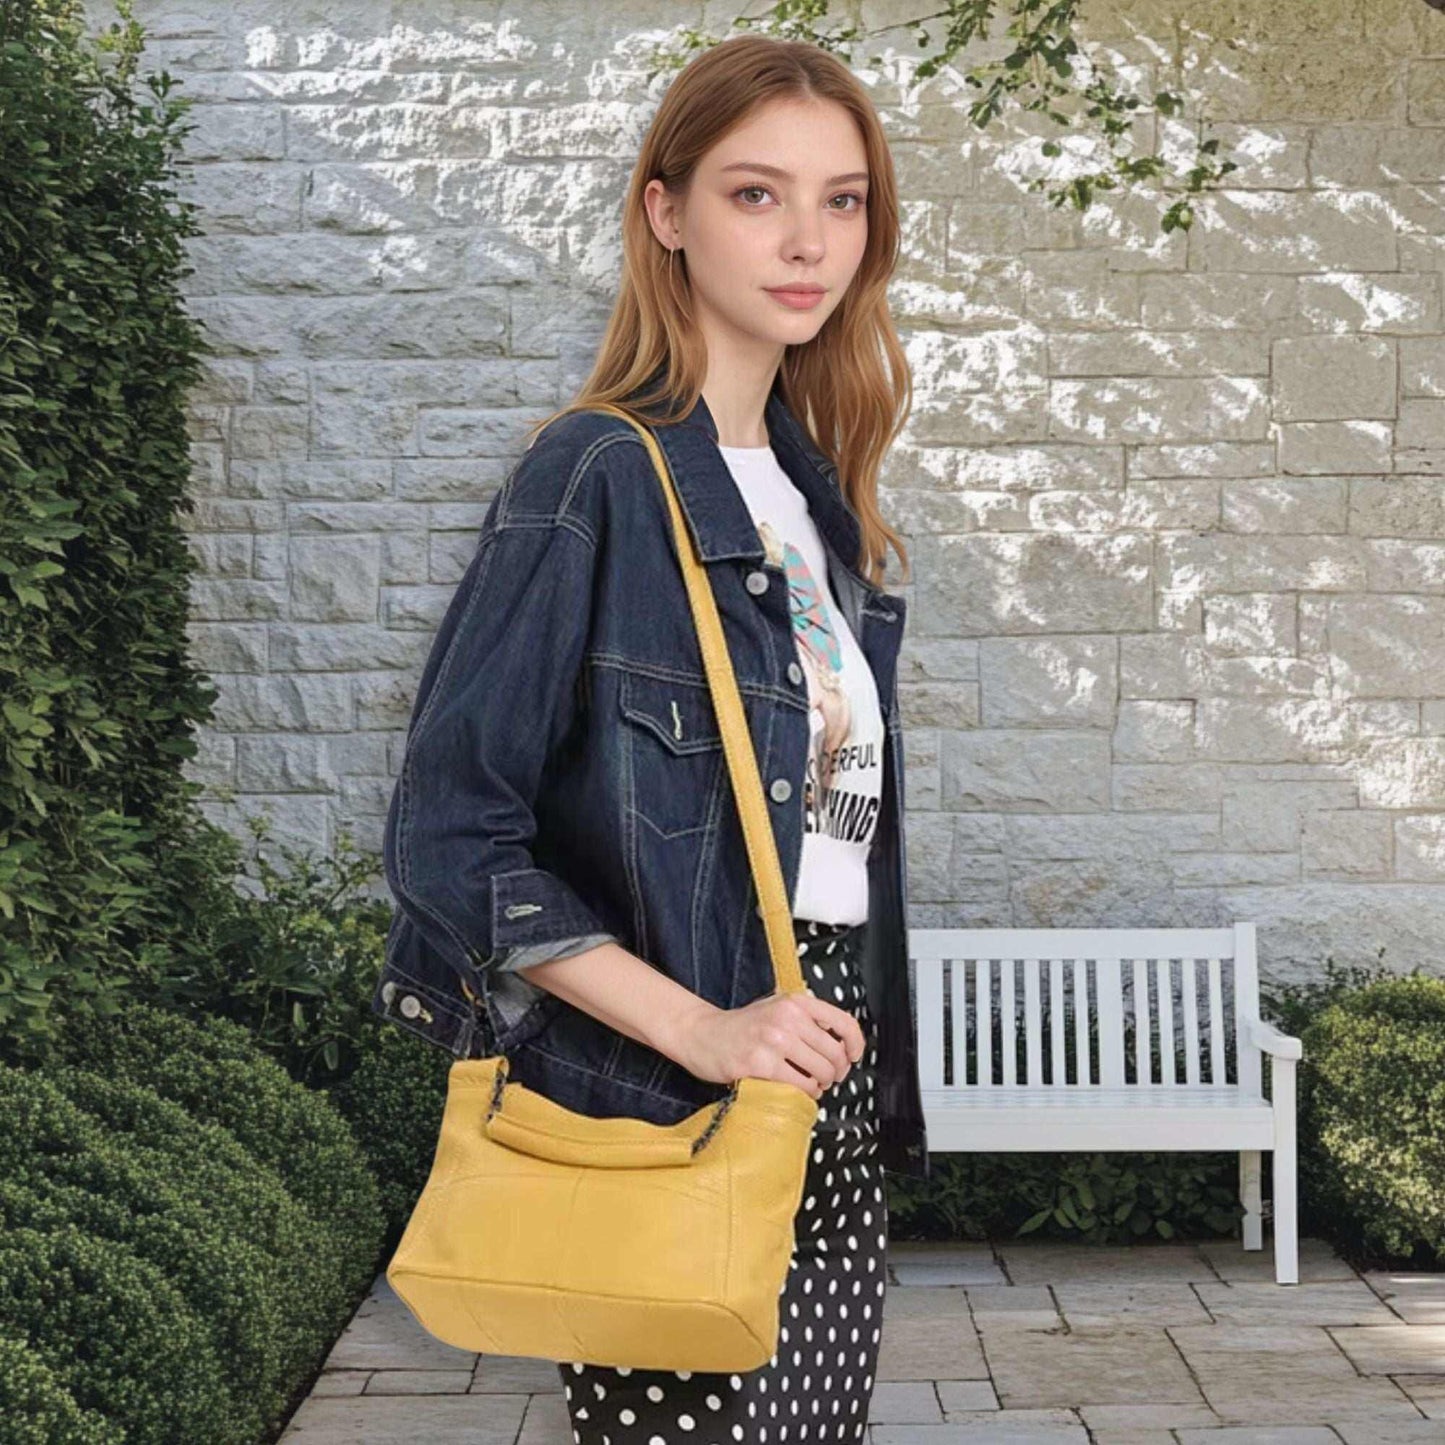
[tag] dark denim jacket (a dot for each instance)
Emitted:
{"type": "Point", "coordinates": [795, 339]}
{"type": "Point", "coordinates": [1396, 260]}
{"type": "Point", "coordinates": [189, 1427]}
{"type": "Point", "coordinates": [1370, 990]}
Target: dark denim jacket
{"type": "Point", "coordinates": [564, 775]}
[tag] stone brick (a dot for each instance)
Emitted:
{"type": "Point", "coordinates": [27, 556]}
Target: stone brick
{"type": "Point", "coordinates": [1058, 680]}
{"type": "Point", "coordinates": [1012, 584]}
{"type": "Point", "coordinates": [334, 579]}
{"type": "Point", "coordinates": [1250, 623]}
{"type": "Point", "coordinates": [1386, 304]}
{"type": "Point", "coordinates": [1025, 769]}
{"type": "Point", "coordinates": [1159, 408]}
{"type": "Point", "coordinates": [1314, 447]}
{"type": "Point", "coordinates": [1328, 378]}
{"type": "Point", "coordinates": [1346, 843]}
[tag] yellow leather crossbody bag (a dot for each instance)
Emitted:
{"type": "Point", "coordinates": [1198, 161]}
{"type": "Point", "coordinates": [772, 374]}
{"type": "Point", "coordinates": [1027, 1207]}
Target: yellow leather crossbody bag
{"type": "Point", "coordinates": [616, 1241]}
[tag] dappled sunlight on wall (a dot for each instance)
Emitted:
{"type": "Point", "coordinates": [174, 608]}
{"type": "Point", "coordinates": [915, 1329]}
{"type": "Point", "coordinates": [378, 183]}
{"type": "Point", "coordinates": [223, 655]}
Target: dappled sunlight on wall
{"type": "Point", "coordinates": [1176, 501]}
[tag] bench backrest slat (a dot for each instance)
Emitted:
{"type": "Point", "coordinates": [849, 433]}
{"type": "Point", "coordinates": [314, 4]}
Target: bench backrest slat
{"type": "Point", "coordinates": [1001, 982]}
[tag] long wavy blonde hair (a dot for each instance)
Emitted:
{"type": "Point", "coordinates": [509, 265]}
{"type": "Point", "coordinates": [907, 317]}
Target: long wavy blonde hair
{"type": "Point", "coordinates": [849, 386]}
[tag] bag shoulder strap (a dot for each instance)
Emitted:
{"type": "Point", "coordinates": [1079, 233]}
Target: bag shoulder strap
{"type": "Point", "coordinates": [737, 741]}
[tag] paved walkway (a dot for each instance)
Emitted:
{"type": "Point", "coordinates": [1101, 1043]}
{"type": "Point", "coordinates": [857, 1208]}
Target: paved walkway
{"type": "Point", "coordinates": [1020, 1343]}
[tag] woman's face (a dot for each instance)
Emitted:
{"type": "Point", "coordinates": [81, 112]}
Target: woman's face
{"type": "Point", "coordinates": [780, 201]}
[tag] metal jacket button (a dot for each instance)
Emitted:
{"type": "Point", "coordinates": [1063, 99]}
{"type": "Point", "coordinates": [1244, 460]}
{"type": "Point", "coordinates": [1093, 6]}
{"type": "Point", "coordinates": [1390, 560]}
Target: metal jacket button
{"type": "Point", "coordinates": [388, 991]}
{"type": "Point", "coordinates": [781, 790]}
{"type": "Point", "coordinates": [411, 1006]}
{"type": "Point", "coordinates": [757, 583]}
{"type": "Point", "coordinates": [795, 673]}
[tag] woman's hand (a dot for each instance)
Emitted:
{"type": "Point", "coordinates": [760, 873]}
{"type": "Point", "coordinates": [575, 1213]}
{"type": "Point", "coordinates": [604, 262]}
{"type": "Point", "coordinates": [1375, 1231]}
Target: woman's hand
{"type": "Point", "coordinates": [795, 1038]}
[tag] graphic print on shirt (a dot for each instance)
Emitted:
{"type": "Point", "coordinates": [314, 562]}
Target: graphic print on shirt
{"type": "Point", "coordinates": [830, 808]}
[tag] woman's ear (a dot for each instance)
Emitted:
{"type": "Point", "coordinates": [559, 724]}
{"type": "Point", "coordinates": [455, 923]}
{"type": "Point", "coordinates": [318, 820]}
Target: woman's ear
{"type": "Point", "coordinates": [662, 214]}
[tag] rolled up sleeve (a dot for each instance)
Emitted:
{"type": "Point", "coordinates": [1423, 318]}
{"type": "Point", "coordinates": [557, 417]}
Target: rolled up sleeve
{"type": "Point", "coordinates": [529, 954]}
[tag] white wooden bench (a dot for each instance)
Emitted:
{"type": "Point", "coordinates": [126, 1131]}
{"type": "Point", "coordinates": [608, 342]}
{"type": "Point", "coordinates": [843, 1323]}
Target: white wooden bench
{"type": "Point", "coordinates": [1057, 1073]}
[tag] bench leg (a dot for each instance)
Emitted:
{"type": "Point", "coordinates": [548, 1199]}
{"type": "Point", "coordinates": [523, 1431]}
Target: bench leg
{"type": "Point", "coordinates": [1285, 1210]}
{"type": "Point", "coordinates": [1251, 1196]}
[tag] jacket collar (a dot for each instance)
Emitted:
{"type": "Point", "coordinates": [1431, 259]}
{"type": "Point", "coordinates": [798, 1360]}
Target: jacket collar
{"type": "Point", "coordinates": [718, 517]}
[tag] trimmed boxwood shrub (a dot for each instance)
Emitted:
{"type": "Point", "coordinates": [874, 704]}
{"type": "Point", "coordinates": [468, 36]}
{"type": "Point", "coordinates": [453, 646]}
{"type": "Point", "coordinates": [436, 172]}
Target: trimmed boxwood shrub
{"type": "Point", "coordinates": [163, 1149]}
{"type": "Point", "coordinates": [1373, 1107]}
{"type": "Point", "coordinates": [123, 1164]}
{"type": "Point", "coordinates": [117, 1334]}
{"type": "Point", "coordinates": [36, 1409]}
{"type": "Point", "coordinates": [214, 1070]}
{"type": "Point", "coordinates": [394, 1101]}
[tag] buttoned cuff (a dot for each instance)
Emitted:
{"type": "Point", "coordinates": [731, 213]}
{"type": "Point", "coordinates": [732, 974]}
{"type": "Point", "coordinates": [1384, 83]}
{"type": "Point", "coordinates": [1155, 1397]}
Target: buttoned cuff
{"type": "Point", "coordinates": [531, 907]}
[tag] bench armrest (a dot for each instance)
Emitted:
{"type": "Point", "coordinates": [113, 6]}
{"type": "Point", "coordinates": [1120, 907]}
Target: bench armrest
{"type": "Point", "coordinates": [1267, 1037]}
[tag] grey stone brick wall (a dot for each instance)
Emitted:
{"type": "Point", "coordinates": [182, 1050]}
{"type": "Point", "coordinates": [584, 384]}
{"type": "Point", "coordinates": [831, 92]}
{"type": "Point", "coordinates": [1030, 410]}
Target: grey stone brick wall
{"type": "Point", "coordinates": [1175, 503]}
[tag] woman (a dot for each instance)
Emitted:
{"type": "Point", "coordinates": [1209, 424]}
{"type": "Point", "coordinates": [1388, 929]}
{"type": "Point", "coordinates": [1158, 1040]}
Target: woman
{"type": "Point", "coordinates": [572, 879]}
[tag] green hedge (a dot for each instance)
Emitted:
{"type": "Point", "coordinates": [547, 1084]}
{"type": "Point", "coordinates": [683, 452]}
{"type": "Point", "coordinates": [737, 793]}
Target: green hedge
{"type": "Point", "coordinates": [180, 1165]}
{"type": "Point", "coordinates": [37, 1409]}
{"type": "Point", "coordinates": [214, 1070]}
{"type": "Point", "coordinates": [117, 1333]}
{"type": "Point", "coordinates": [97, 357]}
{"type": "Point", "coordinates": [394, 1102]}
{"type": "Point", "coordinates": [1372, 1117]}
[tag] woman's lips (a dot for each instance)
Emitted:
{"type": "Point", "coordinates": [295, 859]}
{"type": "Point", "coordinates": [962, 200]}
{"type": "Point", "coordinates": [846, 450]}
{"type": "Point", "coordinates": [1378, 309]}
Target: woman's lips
{"type": "Point", "coordinates": [798, 300]}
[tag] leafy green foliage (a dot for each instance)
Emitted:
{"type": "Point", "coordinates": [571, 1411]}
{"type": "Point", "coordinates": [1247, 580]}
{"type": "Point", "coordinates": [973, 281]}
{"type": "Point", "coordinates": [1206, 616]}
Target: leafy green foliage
{"type": "Point", "coordinates": [214, 1070]}
{"type": "Point", "coordinates": [96, 355]}
{"type": "Point", "coordinates": [1106, 1198]}
{"type": "Point", "coordinates": [1046, 73]}
{"type": "Point", "coordinates": [293, 957]}
{"type": "Point", "coordinates": [1373, 1107]}
{"type": "Point", "coordinates": [115, 1332]}
{"type": "Point", "coordinates": [393, 1102]}
{"type": "Point", "coordinates": [37, 1409]}
{"type": "Point", "coordinates": [177, 1150]}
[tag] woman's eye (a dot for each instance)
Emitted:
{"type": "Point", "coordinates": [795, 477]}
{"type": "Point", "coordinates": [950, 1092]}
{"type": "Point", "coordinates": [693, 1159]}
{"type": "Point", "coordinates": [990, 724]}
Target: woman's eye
{"type": "Point", "coordinates": [842, 196]}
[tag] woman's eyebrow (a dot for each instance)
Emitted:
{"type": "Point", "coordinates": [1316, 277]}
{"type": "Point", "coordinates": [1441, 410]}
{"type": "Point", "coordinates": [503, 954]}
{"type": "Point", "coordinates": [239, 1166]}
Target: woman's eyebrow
{"type": "Point", "coordinates": [783, 175]}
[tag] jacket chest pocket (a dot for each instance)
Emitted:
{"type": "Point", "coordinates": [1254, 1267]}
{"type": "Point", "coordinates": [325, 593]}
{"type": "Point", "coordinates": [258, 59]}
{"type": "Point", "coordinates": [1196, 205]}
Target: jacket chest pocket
{"type": "Point", "coordinates": [675, 757]}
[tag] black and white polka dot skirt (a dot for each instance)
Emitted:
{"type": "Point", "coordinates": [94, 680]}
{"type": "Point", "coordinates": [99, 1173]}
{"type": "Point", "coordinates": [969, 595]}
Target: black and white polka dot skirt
{"type": "Point", "coordinates": [817, 1386]}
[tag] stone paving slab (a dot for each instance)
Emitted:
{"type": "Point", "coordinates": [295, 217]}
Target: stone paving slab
{"type": "Point", "coordinates": [1427, 1392]}
{"type": "Point", "coordinates": [1022, 1342]}
{"type": "Point", "coordinates": [1329, 1302]}
{"type": "Point", "coordinates": [1143, 1420]}
{"type": "Point", "coordinates": [1133, 1437]}
{"type": "Point", "coordinates": [1394, 1349]}
{"type": "Point", "coordinates": [398, 1420]}
{"type": "Point", "coordinates": [1092, 1303]}
{"type": "Point", "coordinates": [935, 1302]}
{"type": "Point", "coordinates": [341, 1382]}
{"type": "Point", "coordinates": [1418, 1299]}
{"type": "Point", "coordinates": [945, 1264]}
{"type": "Point", "coordinates": [1230, 1261]}
{"type": "Point", "coordinates": [1025, 1304]}
{"type": "Point", "coordinates": [1058, 1262]}
{"type": "Point", "coordinates": [515, 1375]}
{"type": "Point", "coordinates": [966, 1397]}
{"type": "Point", "coordinates": [930, 1349]}
{"type": "Point", "coordinates": [1264, 1435]}
{"type": "Point", "coordinates": [898, 1402]}
{"type": "Point", "coordinates": [384, 1334]}
{"type": "Point", "coordinates": [1118, 1364]}
{"type": "Point", "coordinates": [1284, 1374]}
{"type": "Point", "coordinates": [1394, 1432]}
{"type": "Point", "coordinates": [1004, 1427]}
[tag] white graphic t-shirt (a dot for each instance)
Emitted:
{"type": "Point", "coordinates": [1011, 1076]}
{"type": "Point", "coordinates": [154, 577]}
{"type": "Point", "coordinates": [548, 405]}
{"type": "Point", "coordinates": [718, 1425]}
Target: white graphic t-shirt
{"type": "Point", "coordinates": [844, 786]}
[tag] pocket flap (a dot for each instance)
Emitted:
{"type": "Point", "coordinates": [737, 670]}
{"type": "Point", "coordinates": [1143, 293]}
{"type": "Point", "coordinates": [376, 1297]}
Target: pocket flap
{"type": "Point", "coordinates": [681, 714]}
